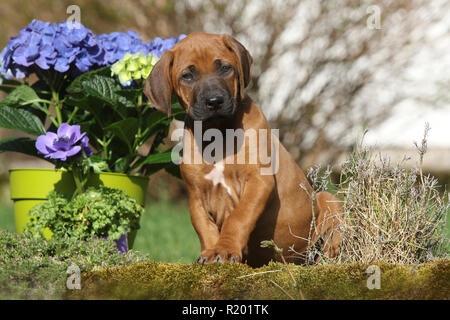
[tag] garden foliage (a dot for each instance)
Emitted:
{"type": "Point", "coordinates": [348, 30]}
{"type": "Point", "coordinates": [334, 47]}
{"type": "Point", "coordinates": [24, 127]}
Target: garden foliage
{"type": "Point", "coordinates": [34, 268]}
{"type": "Point", "coordinates": [76, 86]}
{"type": "Point", "coordinates": [97, 212]}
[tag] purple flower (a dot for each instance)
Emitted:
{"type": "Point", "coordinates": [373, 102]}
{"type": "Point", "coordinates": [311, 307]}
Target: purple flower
{"type": "Point", "coordinates": [63, 144]}
{"type": "Point", "coordinates": [121, 243]}
{"type": "Point", "coordinates": [85, 145]}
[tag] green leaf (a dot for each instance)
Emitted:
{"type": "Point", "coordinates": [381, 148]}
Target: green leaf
{"type": "Point", "coordinates": [163, 157]}
{"type": "Point", "coordinates": [155, 121]}
{"type": "Point", "coordinates": [76, 86]}
{"type": "Point", "coordinates": [123, 164]}
{"type": "Point", "coordinates": [130, 94]}
{"type": "Point", "coordinates": [154, 118]}
{"type": "Point", "coordinates": [21, 120]}
{"type": "Point", "coordinates": [98, 164]}
{"type": "Point", "coordinates": [96, 88]}
{"type": "Point", "coordinates": [21, 96]}
{"type": "Point", "coordinates": [125, 130]}
{"type": "Point", "coordinates": [177, 111]}
{"type": "Point", "coordinates": [96, 109]}
{"type": "Point", "coordinates": [22, 145]}
{"type": "Point", "coordinates": [104, 89]}
{"type": "Point", "coordinates": [26, 98]}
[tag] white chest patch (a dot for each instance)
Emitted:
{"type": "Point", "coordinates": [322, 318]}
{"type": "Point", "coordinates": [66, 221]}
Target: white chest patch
{"type": "Point", "coordinates": [217, 177]}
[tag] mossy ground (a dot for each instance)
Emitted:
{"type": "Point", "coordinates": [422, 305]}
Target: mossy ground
{"type": "Point", "coordinates": [153, 280]}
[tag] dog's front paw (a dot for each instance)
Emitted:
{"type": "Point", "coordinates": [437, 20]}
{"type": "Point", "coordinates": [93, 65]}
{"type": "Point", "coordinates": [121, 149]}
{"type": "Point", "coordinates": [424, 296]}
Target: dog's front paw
{"type": "Point", "coordinates": [219, 255]}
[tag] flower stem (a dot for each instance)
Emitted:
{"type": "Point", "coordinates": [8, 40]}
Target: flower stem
{"type": "Point", "coordinates": [79, 180]}
{"type": "Point", "coordinates": [105, 144]}
{"type": "Point", "coordinates": [74, 112]}
{"type": "Point", "coordinates": [48, 114]}
{"type": "Point", "coordinates": [57, 106]}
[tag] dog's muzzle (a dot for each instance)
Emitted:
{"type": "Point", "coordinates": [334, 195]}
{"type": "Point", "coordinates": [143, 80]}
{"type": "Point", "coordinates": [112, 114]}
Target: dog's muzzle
{"type": "Point", "coordinates": [212, 101]}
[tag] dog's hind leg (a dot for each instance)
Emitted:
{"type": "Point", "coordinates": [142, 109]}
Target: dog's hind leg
{"type": "Point", "coordinates": [329, 212]}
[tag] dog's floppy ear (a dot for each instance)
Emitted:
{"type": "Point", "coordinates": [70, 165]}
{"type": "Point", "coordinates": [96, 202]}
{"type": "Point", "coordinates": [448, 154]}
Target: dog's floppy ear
{"type": "Point", "coordinates": [245, 61]}
{"type": "Point", "coordinates": [158, 86]}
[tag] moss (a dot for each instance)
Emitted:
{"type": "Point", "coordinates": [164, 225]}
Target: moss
{"type": "Point", "coordinates": [154, 280]}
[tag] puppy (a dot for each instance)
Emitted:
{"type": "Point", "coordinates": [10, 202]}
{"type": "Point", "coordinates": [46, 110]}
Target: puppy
{"type": "Point", "coordinates": [248, 189]}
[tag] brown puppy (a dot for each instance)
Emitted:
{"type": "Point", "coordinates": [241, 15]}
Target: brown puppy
{"type": "Point", "coordinates": [236, 204]}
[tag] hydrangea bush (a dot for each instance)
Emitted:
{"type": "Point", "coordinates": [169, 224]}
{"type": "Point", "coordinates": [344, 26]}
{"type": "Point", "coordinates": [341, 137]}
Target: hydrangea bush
{"type": "Point", "coordinates": [90, 88]}
{"type": "Point", "coordinates": [79, 97]}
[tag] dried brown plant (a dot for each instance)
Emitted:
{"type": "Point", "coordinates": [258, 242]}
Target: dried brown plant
{"type": "Point", "coordinates": [392, 213]}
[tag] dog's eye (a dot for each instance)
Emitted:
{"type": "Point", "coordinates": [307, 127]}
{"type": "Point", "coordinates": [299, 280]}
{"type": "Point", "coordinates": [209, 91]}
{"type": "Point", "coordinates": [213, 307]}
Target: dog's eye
{"type": "Point", "coordinates": [188, 76]}
{"type": "Point", "coordinates": [225, 69]}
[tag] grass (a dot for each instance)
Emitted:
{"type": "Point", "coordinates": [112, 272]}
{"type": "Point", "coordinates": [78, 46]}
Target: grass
{"type": "Point", "coordinates": [166, 232]}
{"type": "Point", "coordinates": [32, 268]}
{"type": "Point", "coordinates": [7, 217]}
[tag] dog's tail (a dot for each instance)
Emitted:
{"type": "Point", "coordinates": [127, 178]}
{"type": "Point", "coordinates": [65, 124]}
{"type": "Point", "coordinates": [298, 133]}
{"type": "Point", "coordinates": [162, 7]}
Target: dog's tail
{"type": "Point", "coordinates": [329, 212]}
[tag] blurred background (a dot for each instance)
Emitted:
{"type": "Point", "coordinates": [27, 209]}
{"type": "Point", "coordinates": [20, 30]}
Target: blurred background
{"type": "Point", "coordinates": [323, 73]}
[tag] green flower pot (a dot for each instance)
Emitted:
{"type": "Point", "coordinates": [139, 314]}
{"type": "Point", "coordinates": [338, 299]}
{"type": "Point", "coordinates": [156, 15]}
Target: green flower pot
{"type": "Point", "coordinates": [31, 186]}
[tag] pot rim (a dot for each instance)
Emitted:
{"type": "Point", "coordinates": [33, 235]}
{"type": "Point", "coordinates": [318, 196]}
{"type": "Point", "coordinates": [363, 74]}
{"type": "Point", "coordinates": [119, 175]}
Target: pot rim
{"type": "Point", "coordinates": [63, 170]}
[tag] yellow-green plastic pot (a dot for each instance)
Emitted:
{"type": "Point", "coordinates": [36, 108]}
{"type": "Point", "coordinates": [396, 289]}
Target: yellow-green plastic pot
{"type": "Point", "coordinates": [31, 186]}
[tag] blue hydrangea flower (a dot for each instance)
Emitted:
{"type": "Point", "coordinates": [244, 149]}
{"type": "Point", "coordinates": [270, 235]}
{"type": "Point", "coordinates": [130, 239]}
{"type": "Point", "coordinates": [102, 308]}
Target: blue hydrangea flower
{"type": "Point", "coordinates": [117, 44]}
{"type": "Point", "coordinates": [57, 46]}
{"type": "Point", "coordinates": [68, 141]}
{"type": "Point", "coordinates": [158, 45]}
{"type": "Point", "coordinates": [67, 47]}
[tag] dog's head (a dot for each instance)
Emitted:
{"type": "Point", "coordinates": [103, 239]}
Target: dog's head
{"type": "Point", "coordinates": [207, 72]}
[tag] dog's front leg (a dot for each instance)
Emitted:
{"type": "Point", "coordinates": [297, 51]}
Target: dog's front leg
{"type": "Point", "coordinates": [238, 226]}
{"type": "Point", "coordinates": [207, 230]}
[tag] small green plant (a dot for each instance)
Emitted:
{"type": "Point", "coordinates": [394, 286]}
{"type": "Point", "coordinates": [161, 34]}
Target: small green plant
{"type": "Point", "coordinates": [34, 268]}
{"type": "Point", "coordinates": [98, 212]}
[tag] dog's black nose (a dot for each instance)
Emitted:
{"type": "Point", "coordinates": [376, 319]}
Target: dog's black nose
{"type": "Point", "coordinates": [214, 102]}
